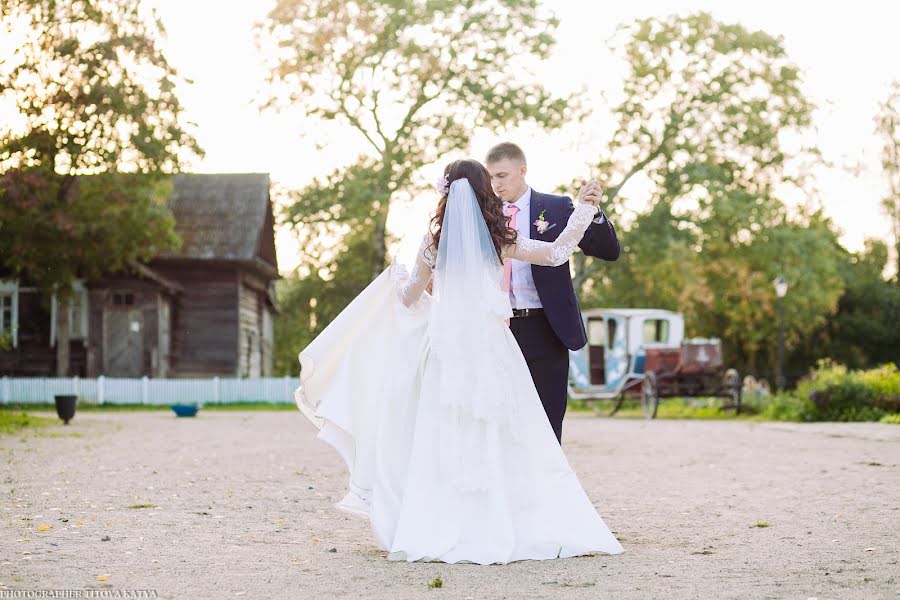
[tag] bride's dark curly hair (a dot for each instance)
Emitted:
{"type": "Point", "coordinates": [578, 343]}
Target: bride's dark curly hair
{"type": "Point", "coordinates": [491, 205]}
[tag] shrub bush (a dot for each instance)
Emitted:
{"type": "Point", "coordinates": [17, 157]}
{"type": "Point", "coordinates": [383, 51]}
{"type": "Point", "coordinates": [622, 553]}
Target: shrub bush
{"type": "Point", "coordinates": [780, 407]}
{"type": "Point", "coordinates": [837, 394]}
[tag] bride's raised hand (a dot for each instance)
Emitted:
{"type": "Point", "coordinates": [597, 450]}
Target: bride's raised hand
{"type": "Point", "coordinates": [590, 192]}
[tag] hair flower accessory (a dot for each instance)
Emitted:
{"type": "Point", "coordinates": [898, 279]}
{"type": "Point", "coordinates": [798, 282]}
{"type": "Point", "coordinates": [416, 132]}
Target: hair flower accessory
{"type": "Point", "coordinates": [442, 185]}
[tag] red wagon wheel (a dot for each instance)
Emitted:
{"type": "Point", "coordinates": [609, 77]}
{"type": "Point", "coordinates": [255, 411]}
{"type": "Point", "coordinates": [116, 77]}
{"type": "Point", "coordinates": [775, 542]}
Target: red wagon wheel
{"type": "Point", "coordinates": [649, 395]}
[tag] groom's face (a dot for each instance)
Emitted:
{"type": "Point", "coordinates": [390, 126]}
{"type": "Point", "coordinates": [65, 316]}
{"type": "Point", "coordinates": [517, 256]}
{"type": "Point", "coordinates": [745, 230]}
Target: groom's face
{"type": "Point", "coordinates": [508, 178]}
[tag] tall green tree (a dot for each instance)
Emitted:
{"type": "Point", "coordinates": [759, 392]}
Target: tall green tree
{"type": "Point", "coordinates": [741, 304]}
{"type": "Point", "coordinates": [82, 168]}
{"type": "Point", "coordinates": [414, 78]}
{"type": "Point", "coordinates": [707, 120]}
{"type": "Point", "coordinates": [706, 108]}
{"type": "Point", "coordinates": [888, 127]}
{"type": "Point", "coordinates": [861, 334]}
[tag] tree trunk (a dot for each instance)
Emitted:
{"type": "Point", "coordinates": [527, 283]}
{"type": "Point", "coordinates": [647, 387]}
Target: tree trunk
{"type": "Point", "coordinates": [379, 248]}
{"type": "Point", "coordinates": [62, 337]}
{"type": "Point", "coordinates": [897, 251]}
{"type": "Point", "coordinates": [62, 300]}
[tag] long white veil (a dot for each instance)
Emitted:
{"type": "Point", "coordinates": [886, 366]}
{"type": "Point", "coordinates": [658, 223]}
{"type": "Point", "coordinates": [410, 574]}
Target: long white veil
{"type": "Point", "coordinates": [466, 277]}
{"type": "Point", "coordinates": [466, 334]}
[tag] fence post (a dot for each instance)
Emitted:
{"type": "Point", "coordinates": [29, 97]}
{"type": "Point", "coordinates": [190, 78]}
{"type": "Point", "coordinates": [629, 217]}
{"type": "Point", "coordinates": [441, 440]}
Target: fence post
{"type": "Point", "coordinates": [145, 390]}
{"type": "Point", "coordinates": [218, 392]}
{"type": "Point", "coordinates": [75, 385]}
{"type": "Point", "coordinates": [6, 394]}
{"type": "Point", "coordinates": [100, 380]}
{"type": "Point", "coordinates": [287, 386]}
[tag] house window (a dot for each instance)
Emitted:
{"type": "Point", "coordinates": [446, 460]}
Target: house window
{"type": "Point", "coordinates": [5, 312]}
{"type": "Point", "coordinates": [77, 308]}
{"type": "Point", "coordinates": [656, 331]}
{"type": "Point", "coordinates": [122, 298]}
{"type": "Point", "coordinates": [9, 309]}
{"type": "Point", "coordinates": [78, 312]}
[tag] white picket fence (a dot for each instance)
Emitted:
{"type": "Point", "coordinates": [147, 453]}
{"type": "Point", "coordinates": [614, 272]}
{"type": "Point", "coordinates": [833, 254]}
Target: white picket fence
{"type": "Point", "coordinates": [144, 390]}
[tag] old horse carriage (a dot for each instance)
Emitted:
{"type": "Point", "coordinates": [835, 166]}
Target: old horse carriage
{"type": "Point", "coordinates": [642, 353]}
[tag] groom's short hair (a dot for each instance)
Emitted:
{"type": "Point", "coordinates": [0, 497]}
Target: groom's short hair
{"type": "Point", "coordinates": [505, 150]}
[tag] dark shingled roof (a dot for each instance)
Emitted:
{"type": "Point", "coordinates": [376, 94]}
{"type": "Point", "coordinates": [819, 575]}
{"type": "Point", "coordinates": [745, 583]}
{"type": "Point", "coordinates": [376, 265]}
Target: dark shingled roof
{"type": "Point", "coordinates": [222, 216]}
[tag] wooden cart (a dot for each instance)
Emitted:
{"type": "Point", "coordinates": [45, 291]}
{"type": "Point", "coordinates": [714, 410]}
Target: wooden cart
{"type": "Point", "coordinates": [692, 369]}
{"type": "Point", "coordinates": [642, 353]}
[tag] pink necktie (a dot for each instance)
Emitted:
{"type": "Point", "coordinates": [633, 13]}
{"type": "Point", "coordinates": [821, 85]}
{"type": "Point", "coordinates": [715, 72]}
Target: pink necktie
{"type": "Point", "coordinates": [511, 210]}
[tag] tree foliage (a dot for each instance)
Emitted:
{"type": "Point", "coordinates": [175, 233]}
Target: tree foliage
{"type": "Point", "coordinates": [861, 334]}
{"type": "Point", "coordinates": [414, 78]}
{"type": "Point", "coordinates": [82, 167]}
{"type": "Point", "coordinates": [711, 117]}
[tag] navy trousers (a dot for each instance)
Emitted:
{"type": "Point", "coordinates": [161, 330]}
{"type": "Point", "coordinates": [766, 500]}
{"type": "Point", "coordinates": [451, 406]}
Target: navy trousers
{"type": "Point", "coordinates": [548, 361]}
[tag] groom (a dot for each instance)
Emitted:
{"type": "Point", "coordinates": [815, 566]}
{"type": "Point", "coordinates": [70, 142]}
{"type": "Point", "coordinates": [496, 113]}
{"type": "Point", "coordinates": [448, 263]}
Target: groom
{"type": "Point", "coordinates": [546, 318]}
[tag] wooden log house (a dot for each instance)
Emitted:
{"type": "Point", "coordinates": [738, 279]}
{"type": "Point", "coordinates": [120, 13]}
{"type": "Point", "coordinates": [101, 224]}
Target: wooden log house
{"type": "Point", "coordinates": [204, 310]}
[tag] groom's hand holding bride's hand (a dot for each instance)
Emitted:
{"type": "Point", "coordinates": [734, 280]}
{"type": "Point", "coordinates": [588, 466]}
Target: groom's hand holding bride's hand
{"type": "Point", "coordinates": [590, 193]}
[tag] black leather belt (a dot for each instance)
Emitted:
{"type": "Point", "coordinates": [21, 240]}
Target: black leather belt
{"type": "Point", "coordinates": [527, 312]}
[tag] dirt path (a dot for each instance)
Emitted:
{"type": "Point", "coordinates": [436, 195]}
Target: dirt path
{"type": "Point", "coordinates": [241, 506]}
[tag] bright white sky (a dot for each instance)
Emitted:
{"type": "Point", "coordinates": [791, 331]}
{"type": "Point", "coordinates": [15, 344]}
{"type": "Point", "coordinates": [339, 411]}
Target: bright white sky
{"type": "Point", "coordinates": [849, 55]}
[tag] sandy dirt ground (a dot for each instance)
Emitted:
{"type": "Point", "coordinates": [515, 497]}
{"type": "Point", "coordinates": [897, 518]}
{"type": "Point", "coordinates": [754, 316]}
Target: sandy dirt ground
{"type": "Point", "coordinates": [240, 504]}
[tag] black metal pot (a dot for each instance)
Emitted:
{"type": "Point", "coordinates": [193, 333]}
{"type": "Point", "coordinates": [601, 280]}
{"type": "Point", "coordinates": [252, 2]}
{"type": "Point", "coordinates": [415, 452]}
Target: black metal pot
{"type": "Point", "coordinates": [65, 406]}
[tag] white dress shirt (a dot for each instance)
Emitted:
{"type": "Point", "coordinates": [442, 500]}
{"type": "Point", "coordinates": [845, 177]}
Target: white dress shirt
{"type": "Point", "coordinates": [522, 291]}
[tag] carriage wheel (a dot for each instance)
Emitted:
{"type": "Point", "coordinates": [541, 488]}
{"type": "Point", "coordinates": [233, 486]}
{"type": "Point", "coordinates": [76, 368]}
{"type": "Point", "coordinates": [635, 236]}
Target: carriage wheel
{"type": "Point", "coordinates": [602, 411]}
{"type": "Point", "coordinates": [616, 404]}
{"type": "Point", "coordinates": [734, 389]}
{"type": "Point", "coordinates": [649, 395]}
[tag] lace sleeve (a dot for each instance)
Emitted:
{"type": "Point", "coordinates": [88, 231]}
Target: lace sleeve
{"type": "Point", "coordinates": [553, 254]}
{"type": "Point", "coordinates": [410, 286]}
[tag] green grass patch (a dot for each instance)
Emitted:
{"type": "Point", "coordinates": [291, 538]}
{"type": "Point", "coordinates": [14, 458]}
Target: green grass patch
{"type": "Point", "coordinates": [780, 407]}
{"type": "Point", "coordinates": [682, 408]}
{"type": "Point", "coordinates": [252, 406]}
{"type": "Point", "coordinates": [760, 524]}
{"type": "Point", "coordinates": [893, 419]}
{"type": "Point", "coordinates": [17, 422]}
{"type": "Point", "coordinates": [669, 408]}
{"type": "Point", "coordinates": [141, 506]}
{"type": "Point", "coordinates": [81, 407]}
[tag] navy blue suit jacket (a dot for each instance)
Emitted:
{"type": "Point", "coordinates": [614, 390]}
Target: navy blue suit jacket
{"type": "Point", "coordinates": [554, 284]}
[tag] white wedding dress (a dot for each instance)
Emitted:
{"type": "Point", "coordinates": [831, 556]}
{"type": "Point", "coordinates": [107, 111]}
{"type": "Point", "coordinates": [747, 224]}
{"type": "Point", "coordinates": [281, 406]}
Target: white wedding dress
{"type": "Point", "coordinates": [430, 403]}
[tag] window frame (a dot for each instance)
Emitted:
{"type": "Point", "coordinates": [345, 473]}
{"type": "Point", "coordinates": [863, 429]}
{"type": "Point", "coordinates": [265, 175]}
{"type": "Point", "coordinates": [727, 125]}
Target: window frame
{"type": "Point", "coordinates": [80, 289]}
{"type": "Point", "coordinates": [10, 287]}
{"type": "Point", "coordinates": [661, 325]}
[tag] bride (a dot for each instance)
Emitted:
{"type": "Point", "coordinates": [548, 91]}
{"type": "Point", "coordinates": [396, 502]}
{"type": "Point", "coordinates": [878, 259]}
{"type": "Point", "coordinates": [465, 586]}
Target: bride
{"type": "Point", "coordinates": [430, 403]}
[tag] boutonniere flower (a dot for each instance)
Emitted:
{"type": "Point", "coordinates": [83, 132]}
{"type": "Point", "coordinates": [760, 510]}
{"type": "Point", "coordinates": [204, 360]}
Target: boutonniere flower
{"type": "Point", "coordinates": [542, 224]}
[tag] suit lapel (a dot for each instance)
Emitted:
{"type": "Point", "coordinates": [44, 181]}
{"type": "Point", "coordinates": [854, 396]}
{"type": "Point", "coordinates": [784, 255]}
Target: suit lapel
{"type": "Point", "coordinates": [536, 207]}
